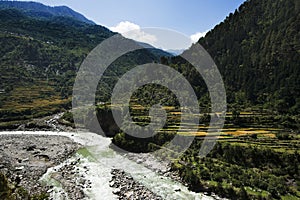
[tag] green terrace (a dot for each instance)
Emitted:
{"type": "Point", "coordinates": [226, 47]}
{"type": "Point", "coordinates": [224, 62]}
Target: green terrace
{"type": "Point", "coordinates": [262, 128]}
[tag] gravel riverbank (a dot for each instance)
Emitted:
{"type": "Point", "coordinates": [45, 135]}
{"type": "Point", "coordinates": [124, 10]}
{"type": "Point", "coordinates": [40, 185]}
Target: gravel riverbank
{"type": "Point", "coordinates": [127, 188]}
{"type": "Point", "coordinates": [29, 156]}
{"type": "Point", "coordinates": [151, 162]}
{"type": "Point", "coordinates": [25, 158]}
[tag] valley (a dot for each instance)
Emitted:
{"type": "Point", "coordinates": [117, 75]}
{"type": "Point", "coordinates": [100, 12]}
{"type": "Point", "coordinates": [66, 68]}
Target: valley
{"type": "Point", "coordinates": [51, 150]}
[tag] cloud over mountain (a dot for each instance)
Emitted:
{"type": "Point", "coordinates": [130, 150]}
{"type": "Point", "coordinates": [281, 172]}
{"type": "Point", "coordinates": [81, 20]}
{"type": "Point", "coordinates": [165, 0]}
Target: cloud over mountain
{"type": "Point", "coordinates": [133, 31]}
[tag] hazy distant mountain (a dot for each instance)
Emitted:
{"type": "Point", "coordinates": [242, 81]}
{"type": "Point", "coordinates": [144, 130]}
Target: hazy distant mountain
{"type": "Point", "coordinates": [175, 52]}
{"type": "Point", "coordinates": [39, 10]}
{"type": "Point", "coordinates": [169, 52]}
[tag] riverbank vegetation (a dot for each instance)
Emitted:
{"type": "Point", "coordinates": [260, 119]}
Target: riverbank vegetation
{"type": "Point", "coordinates": [8, 191]}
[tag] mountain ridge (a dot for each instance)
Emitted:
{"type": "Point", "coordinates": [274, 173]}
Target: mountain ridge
{"type": "Point", "coordinates": [40, 57]}
{"type": "Point", "coordinates": [40, 10]}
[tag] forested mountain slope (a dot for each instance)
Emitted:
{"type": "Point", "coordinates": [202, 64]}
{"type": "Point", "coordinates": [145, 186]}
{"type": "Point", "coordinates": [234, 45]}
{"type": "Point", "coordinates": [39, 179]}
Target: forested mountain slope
{"type": "Point", "coordinates": [40, 58]}
{"type": "Point", "coordinates": [257, 50]}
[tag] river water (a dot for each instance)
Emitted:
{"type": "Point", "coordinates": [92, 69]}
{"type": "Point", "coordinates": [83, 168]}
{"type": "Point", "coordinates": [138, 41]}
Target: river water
{"type": "Point", "coordinates": [102, 159]}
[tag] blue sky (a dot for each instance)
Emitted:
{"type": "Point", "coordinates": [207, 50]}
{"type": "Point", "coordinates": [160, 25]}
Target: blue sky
{"type": "Point", "coordinates": [186, 16]}
{"type": "Point", "coordinates": [190, 17]}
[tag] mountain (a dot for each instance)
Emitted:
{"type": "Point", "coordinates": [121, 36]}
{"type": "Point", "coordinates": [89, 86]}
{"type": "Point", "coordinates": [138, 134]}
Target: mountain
{"type": "Point", "coordinates": [41, 11]}
{"type": "Point", "coordinates": [257, 50]}
{"type": "Point", "coordinates": [175, 52]}
{"type": "Point", "coordinates": [39, 58]}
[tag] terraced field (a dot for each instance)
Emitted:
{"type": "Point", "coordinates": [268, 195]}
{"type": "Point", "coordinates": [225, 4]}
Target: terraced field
{"type": "Point", "coordinates": [267, 129]}
{"type": "Point", "coordinates": [256, 130]}
{"type": "Point", "coordinates": [254, 157]}
{"type": "Point", "coordinates": [31, 101]}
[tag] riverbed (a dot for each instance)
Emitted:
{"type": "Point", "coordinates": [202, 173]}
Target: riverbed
{"type": "Point", "coordinates": [96, 162]}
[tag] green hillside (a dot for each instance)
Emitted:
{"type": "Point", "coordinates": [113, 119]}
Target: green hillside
{"type": "Point", "coordinates": [257, 153]}
{"type": "Point", "coordinates": [40, 58]}
{"type": "Point", "coordinates": [257, 50]}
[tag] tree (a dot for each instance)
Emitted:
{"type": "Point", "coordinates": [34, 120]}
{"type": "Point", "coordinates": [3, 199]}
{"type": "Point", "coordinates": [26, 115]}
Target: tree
{"type": "Point", "coordinates": [242, 194]}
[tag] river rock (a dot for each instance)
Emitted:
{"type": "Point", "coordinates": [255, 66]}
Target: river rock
{"type": "Point", "coordinates": [24, 165]}
{"type": "Point", "coordinates": [127, 188]}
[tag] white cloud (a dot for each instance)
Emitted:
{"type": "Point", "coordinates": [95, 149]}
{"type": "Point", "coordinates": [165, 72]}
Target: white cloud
{"type": "Point", "coordinates": [160, 38]}
{"type": "Point", "coordinates": [124, 27]}
{"type": "Point", "coordinates": [133, 31]}
{"type": "Point", "coordinates": [195, 37]}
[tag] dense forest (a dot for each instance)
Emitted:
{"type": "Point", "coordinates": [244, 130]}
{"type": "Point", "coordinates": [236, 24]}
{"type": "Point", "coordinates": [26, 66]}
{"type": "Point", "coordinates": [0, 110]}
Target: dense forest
{"type": "Point", "coordinates": [257, 51]}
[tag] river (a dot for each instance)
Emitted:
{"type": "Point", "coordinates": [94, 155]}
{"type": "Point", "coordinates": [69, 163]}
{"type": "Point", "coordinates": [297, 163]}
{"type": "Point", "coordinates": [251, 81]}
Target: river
{"type": "Point", "coordinates": [101, 160]}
